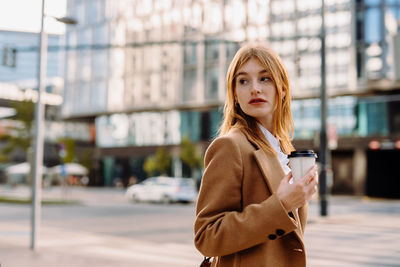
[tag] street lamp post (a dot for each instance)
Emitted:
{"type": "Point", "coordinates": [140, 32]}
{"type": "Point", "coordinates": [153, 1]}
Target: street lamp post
{"type": "Point", "coordinates": [38, 149]}
{"type": "Point", "coordinates": [38, 136]}
{"type": "Point", "coordinates": [323, 150]}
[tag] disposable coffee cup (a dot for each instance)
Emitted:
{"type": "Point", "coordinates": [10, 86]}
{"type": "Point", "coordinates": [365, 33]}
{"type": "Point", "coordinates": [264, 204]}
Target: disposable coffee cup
{"type": "Point", "coordinates": [300, 162]}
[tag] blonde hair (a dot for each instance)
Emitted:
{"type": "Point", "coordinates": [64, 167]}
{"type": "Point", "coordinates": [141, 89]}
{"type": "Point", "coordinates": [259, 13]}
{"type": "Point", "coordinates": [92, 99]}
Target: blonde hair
{"type": "Point", "coordinates": [234, 116]}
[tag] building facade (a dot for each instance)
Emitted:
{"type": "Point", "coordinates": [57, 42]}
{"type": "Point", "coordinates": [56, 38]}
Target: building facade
{"type": "Point", "coordinates": [18, 84]}
{"type": "Point", "coordinates": [148, 73]}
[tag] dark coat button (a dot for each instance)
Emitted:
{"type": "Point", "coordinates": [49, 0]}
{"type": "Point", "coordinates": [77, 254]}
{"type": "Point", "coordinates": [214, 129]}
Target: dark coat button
{"type": "Point", "coordinates": [280, 232]}
{"type": "Point", "coordinates": [272, 237]}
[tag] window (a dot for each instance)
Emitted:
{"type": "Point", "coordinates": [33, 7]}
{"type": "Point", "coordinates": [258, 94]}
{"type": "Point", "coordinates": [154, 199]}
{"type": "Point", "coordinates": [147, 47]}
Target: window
{"type": "Point", "coordinates": [205, 126]}
{"type": "Point", "coordinates": [373, 22]}
{"type": "Point", "coordinates": [212, 18]}
{"type": "Point", "coordinates": [84, 65]}
{"type": "Point", "coordinates": [85, 37]}
{"type": "Point", "coordinates": [231, 49]}
{"type": "Point", "coordinates": [82, 98]}
{"type": "Point", "coordinates": [190, 53]}
{"type": "Point", "coordinates": [211, 50]}
{"type": "Point", "coordinates": [92, 11]}
{"type": "Point", "coordinates": [115, 94]}
{"type": "Point", "coordinates": [258, 10]}
{"type": "Point", "coordinates": [117, 62]}
{"type": "Point", "coordinates": [234, 9]}
{"type": "Point", "coordinates": [190, 125]}
{"type": "Point", "coordinates": [99, 64]}
{"type": "Point", "coordinates": [189, 84]}
{"type": "Point", "coordinates": [100, 34]}
{"type": "Point", "coordinates": [71, 66]}
{"type": "Point", "coordinates": [211, 82]}
{"type": "Point", "coordinates": [99, 90]}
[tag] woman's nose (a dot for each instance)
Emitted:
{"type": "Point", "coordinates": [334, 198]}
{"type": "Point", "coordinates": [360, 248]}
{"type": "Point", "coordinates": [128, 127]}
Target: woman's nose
{"type": "Point", "coordinates": [255, 88]}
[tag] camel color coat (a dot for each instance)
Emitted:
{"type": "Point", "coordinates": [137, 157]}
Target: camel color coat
{"type": "Point", "coordinates": [239, 219]}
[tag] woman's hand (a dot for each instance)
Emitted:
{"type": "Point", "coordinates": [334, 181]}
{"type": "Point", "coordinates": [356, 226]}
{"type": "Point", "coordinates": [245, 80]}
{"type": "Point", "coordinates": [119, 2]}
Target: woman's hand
{"type": "Point", "coordinates": [297, 194]}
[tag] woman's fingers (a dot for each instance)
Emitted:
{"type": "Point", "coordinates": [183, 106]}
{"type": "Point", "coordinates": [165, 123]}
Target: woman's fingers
{"type": "Point", "coordinates": [310, 182]}
{"type": "Point", "coordinates": [295, 195]}
{"type": "Point", "coordinates": [310, 174]}
{"type": "Point", "coordinates": [288, 176]}
{"type": "Point", "coordinates": [316, 177]}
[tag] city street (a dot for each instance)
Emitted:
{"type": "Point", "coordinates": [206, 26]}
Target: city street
{"type": "Point", "coordinates": [107, 230]}
{"type": "Point", "coordinates": [99, 95]}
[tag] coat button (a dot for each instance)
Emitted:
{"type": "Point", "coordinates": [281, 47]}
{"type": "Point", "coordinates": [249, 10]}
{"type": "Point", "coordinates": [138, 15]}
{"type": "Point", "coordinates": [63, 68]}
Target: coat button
{"type": "Point", "coordinates": [280, 232]}
{"type": "Point", "coordinates": [272, 237]}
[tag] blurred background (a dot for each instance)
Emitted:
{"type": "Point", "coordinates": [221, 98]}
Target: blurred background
{"type": "Point", "coordinates": [133, 76]}
{"type": "Point", "coordinates": [135, 88]}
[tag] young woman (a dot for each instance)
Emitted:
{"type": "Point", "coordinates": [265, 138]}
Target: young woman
{"type": "Point", "coordinates": [249, 213]}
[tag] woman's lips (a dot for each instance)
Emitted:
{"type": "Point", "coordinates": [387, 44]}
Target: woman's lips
{"type": "Point", "coordinates": [257, 101]}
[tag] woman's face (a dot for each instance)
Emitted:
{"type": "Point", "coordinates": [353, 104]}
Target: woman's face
{"type": "Point", "coordinates": [256, 92]}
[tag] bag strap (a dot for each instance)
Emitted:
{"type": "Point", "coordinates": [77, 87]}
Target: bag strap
{"type": "Point", "coordinates": [206, 262]}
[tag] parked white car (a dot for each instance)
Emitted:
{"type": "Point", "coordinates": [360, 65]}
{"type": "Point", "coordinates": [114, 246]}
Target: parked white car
{"type": "Point", "coordinates": [163, 189]}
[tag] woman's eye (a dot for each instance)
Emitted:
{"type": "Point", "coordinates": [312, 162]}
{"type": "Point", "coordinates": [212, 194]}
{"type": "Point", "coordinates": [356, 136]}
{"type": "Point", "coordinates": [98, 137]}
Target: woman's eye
{"type": "Point", "coordinates": [265, 79]}
{"type": "Point", "coordinates": [242, 81]}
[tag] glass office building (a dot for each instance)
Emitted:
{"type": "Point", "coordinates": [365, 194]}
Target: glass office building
{"type": "Point", "coordinates": [18, 82]}
{"type": "Point", "coordinates": [147, 73]}
{"type": "Point", "coordinates": [18, 54]}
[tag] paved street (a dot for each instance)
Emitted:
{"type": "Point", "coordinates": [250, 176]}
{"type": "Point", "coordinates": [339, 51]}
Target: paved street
{"type": "Point", "coordinates": [107, 230]}
{"type": "Point", "coordinates": [358, 232]}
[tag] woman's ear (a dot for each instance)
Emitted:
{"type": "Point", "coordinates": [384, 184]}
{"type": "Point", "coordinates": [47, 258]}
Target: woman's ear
{"type": "Point", "coordinates": [283, 94]}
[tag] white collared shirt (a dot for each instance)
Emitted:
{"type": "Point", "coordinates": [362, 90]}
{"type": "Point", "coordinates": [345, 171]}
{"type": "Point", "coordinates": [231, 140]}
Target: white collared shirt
{"type": "Point", "coordinates": [274, 142]}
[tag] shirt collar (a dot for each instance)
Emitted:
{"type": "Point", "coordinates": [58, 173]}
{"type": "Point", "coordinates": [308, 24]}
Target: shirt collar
{"type": "Point", "coordinates": [271, 139]}
{"type": "Point", "coordinates": [274, 142]}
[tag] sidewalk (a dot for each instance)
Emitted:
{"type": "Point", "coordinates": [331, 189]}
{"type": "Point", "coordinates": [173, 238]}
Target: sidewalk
{"type": "Point", "coordinates": [86, 195]}
{"type": "Point", "coordinates": [68, 247]}
{"type": "Point", "coordinates": [358, 232]}
{"type": "Point", "coordinates": [61, 248]}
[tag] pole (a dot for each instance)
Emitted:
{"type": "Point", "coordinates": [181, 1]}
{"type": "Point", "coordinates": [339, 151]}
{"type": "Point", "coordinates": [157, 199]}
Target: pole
{"type": "Point", "coordinates": [323, 153]}
{"type": "Point", "coordinates": [38, 146]}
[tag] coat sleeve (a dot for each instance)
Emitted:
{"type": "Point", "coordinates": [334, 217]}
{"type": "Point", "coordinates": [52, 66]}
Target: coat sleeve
{"type": "Point", "coordinates": [222, 226]}
{"type": "Point", "coordinates": [303, 214]}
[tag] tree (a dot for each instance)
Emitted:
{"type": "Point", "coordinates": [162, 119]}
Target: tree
{"type": "Point", "coordinates": [189, 155]}
{"type": "Point", "coordinates": [18, 136]}
{"type": "Point", "coordinates": [86, 158]}
{"type": "Point", "coordinates": [67, 149]}
{"type": "Point", "coordinates": [160, 163]}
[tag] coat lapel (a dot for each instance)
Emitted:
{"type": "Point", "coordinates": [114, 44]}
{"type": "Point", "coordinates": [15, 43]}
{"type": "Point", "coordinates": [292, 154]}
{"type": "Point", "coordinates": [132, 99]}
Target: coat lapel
{"type": "Point", "coordinates": [271, 169]}
{"type": "Point", "coordinates": [269, 165]}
